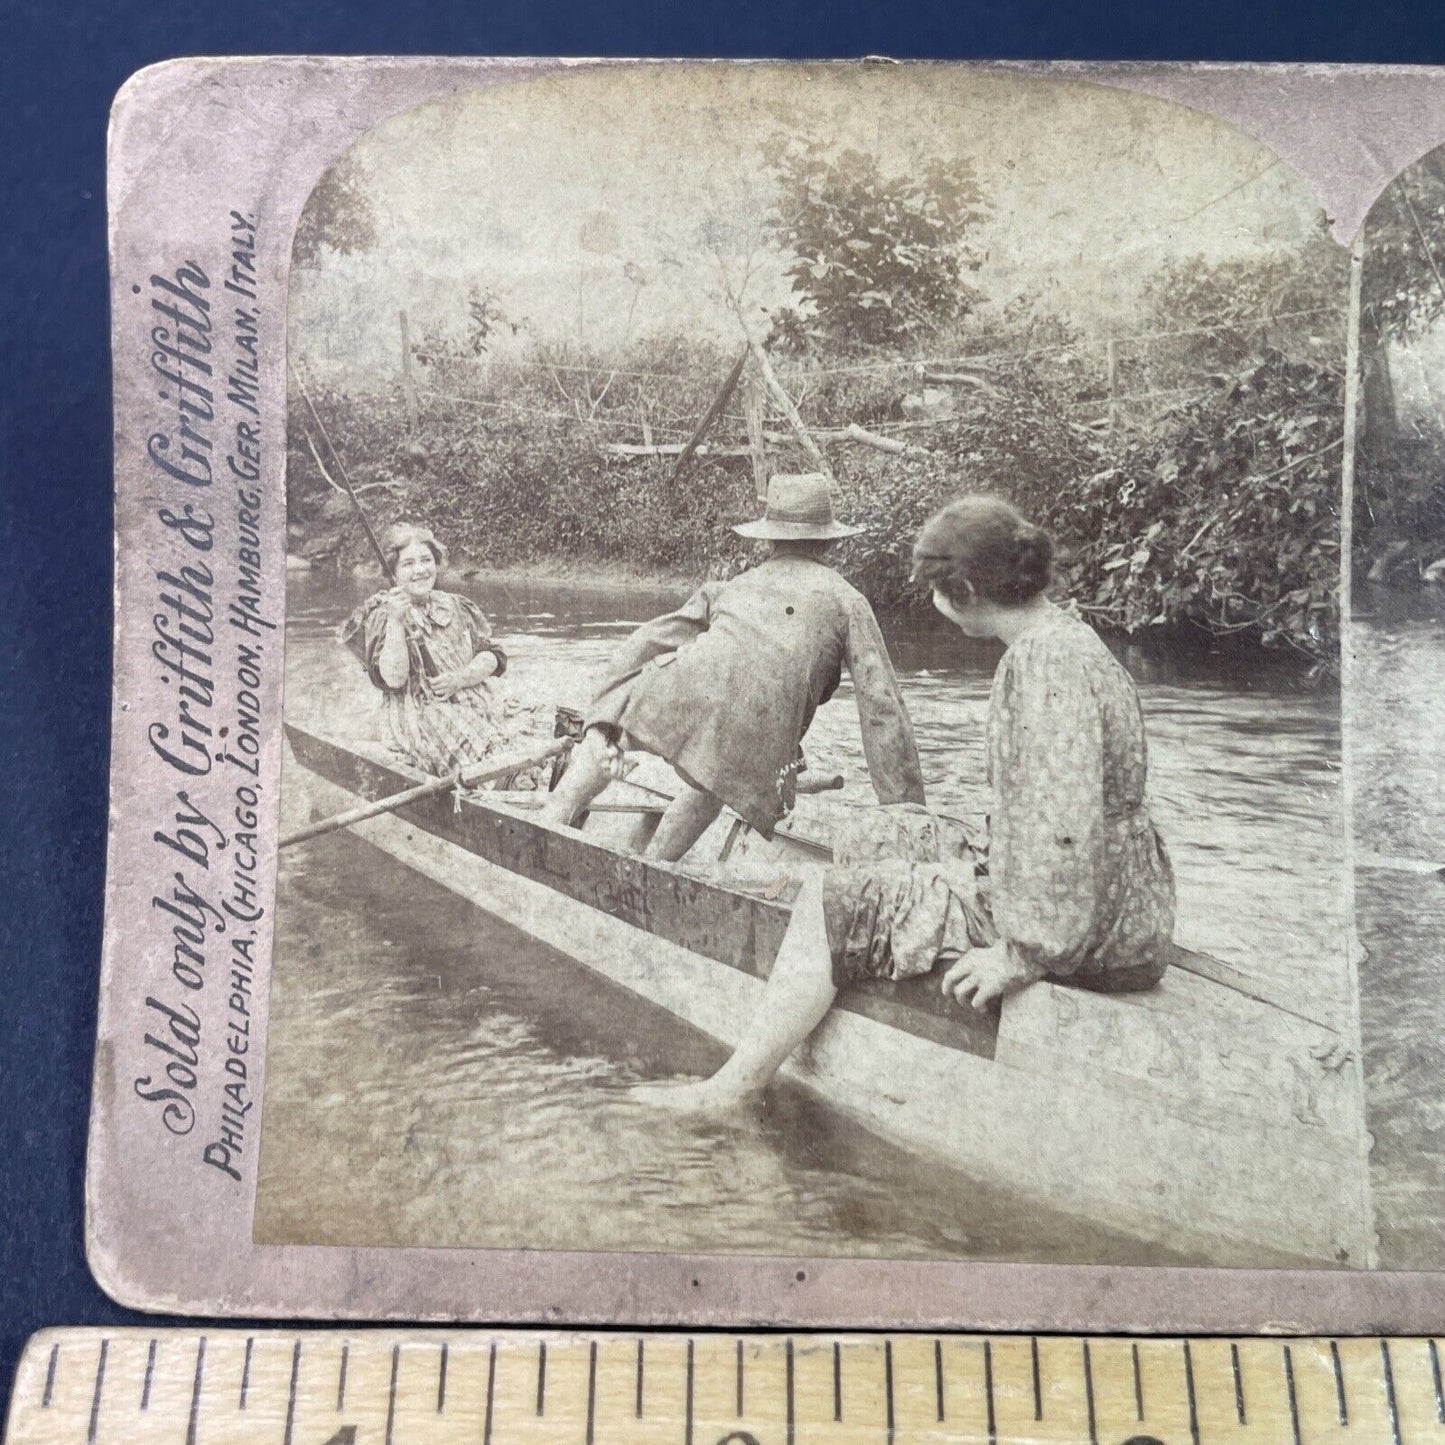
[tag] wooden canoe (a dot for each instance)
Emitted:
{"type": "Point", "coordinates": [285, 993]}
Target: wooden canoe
{"type": "Point", "coordinates": [1204, 1116]}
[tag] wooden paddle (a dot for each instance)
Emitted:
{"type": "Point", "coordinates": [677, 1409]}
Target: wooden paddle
{"type": "Point", "coordinates": [826, 783]}
{"type": "Point", "coordinates": [660, 800]}
{"type": "Point", "coordinates": [469, 777]}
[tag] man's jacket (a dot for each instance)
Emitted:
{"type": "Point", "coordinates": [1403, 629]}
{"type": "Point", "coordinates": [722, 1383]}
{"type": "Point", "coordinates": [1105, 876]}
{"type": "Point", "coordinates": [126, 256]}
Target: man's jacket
{"type": "Point", "coordinates": [725, 687]}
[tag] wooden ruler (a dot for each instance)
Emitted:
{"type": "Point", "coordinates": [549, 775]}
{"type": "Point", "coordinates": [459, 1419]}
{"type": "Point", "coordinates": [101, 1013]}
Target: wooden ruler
{"type": "Point", "coordinates": [391, 1387]}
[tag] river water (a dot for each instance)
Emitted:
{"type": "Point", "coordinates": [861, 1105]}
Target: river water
{"type": "Point", "coordinates": [436, 1078]}
{"type": "Point", "coordinates": [1397, 752]}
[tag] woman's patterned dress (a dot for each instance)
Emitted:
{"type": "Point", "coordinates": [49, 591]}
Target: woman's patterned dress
{"type": "Point", "coordinates": [1078, 881]}
{"type": "Point", "coordinates": [439, 734]}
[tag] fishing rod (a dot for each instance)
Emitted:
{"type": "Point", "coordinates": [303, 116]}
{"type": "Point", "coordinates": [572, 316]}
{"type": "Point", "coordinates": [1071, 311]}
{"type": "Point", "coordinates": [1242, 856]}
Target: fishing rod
{"type": "Point", "coordinates": [428, 667]}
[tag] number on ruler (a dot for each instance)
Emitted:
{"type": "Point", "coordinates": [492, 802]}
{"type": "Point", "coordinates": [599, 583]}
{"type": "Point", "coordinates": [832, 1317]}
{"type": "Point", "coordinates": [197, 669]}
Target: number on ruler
{"type": "Point", "coordinates": [344, 1436]}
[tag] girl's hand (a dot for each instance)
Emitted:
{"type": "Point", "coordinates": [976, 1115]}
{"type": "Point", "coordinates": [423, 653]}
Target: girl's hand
{"type": "Point", "coordinates": [985, 975]}
{"type": "Point", "coordinates": [398, 603]}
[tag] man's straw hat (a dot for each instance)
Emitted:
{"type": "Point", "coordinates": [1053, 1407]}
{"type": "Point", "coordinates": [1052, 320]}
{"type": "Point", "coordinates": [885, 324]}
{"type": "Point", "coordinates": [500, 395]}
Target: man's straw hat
{"type": "Point", "coordinates": [799, 509]}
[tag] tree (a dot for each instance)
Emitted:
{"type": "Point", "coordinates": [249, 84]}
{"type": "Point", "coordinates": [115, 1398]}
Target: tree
{"type": "Point", "coordinates": [1402, 291]}
{"type": "Point", "coordinates": [1400, 488]}
{"type": "Point", "coordinates": [451, 349]}
{"type": "Point", "coordinates": [337, 216]}
{"type": "Point", "coordinates": [1404, 280]}
{"type": "Point", "coordinates": [877, 260]}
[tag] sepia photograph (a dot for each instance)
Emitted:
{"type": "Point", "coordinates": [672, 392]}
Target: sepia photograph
{"type": "Point", "coordinates": [812, 707]}
{"type": "Point", "coordinates": [1396, 680]}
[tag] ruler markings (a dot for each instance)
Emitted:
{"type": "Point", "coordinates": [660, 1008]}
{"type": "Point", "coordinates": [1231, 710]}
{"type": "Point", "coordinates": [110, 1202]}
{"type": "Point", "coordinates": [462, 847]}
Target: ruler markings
{"type": "Point", "coordinates": [541, 1377]}
{"type": "Point", "coordinates": [1038, 1383]}
{"type": "Point", "coordinates": [988, 1390]}
{"type": "Point", "coordinates": [291, 1389]}
{"type": "Point", "coordinates": [591, 1391]}
{"type": "Point", "coordinates": [1391, 1404]}
{"type": "Point", "coordinates": [391, 1393]}
{"type": "Point", "coordinates": [888, 1389]}
{"type": "Point", "coordinates": [1341, 1403]}
{"type": "Point", "coordinates": [50, 1377]}
{"type": "Point", "coordinates": [1189, 1394]}
{"type": "Point", "coordinates": [788, 1388]}
{"type": "Point", "coordinates": [492, 1386]}
{"type": "Point", "coordinates": [1107, 1384]}
{"type": "Point", "coordinates": [640, 1347]}
{"type": "Point", "coordinates": [1238, 1382]}
{"type": "Point", "coordinates": [145, 1389]}
{"type": "Point", "coordinates": [687, 1406]}
{"type": "Point", "coordinates": [1289, 1390]}
{"type": "Point", "coordinates": [193, 1423]}
{"type": "Point", "coordinates": [1435, 1378]}
{"type": "Point", "coordinates": [95, 1398]}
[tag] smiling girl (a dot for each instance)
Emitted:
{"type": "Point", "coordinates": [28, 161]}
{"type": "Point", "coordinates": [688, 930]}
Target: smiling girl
{"type": "Point", "coordinates": [432, 656]}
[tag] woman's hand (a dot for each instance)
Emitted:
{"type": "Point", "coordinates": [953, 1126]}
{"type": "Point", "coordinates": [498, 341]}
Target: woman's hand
{"type": "Point", "coordinates": [393, 661]}
{"type": "Point", "coordinates": [398, 603]}
{"type": "Point", "coordinates": [985, 975]}
{"type": "Point", "coordinates": [447, 684]}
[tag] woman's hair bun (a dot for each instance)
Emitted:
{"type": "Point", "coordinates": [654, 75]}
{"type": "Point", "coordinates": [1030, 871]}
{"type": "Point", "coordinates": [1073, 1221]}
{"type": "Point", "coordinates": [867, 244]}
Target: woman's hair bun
{"type": "Point", "coordinates": [984, 546]}
{"type": "Point", "coordinates": [1035, 557]}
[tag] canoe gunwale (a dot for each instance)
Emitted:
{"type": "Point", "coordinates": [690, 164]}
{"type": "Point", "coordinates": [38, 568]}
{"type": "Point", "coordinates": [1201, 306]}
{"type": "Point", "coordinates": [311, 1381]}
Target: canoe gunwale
{"type": "Point", "coordinates": [728, 925]}
{"type": "Point", "coordinates": [1249, 1115]}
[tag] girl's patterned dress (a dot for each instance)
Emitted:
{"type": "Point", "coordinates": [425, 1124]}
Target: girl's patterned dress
{"type": "Point", "coordinates": [440, 734]}
{"type": "Point", "coordinates": [1077, 881]}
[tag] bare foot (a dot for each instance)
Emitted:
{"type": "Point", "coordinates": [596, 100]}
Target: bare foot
{"type": "Point", "coordinates": [698, 1096]}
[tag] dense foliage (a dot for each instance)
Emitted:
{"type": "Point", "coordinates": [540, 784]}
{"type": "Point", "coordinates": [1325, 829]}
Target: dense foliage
{"type": "Point", "coordinates": [337, 216]}
{"type": "Point", "coordinates": [875, 260]}
{"type": "Point", "coordinates": [1225, 521]}
{"type": "Point", "coordinates": [1189, 465]}
{"type": "Point", "coordinates": [1400, 479]}
{"type": "Point", "coordinates": [1404, 278]}
{"type": "Point", "coordinates": [510, 470]}
{"type": "Point", "coordinates": [1219, 518]}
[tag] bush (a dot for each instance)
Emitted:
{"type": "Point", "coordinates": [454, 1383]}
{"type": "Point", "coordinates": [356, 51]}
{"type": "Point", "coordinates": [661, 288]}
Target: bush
{"type": "Point", "coordinates": [1230, 526]}
{"type": "Point", "coordinates": [1218, 519]}
{"type": "Point", "coordinates": [877, 260]}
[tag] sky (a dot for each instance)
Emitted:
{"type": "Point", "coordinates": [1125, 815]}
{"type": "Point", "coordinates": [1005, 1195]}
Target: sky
{"type": "Point", "coordinates": [610, 205]}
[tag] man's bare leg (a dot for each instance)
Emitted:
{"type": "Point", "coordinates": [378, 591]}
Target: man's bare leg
{"type": "Point", "coordinates": [797, 996]}
{"type": "Point", "coordinates": [589, 770]}
{"type": "Point", "coordinates": [690, 814]}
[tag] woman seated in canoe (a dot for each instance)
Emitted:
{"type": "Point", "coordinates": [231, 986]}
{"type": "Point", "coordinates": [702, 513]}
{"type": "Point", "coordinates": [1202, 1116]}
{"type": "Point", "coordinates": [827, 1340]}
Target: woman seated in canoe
{"type": "Point", "coordinates": [431, 655]}
{"type": "Point", "coordinates": [1079, 886]}
{"type": "Point", "coordinates": [725, 687]}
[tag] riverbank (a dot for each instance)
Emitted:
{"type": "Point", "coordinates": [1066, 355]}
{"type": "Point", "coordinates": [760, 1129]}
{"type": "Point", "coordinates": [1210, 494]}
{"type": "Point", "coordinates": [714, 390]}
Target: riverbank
{"type": "Point", "coordinates": [571, 572]}
{"type": "Point", "coordinates": [1218, 515]}
{"type": "Point", "coordinates": [1152, 653]}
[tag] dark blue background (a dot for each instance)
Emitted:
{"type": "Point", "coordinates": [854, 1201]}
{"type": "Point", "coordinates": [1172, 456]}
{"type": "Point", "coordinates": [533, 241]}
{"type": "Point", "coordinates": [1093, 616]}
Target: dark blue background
{"type": "Point", "coordinates": [59, 67]}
